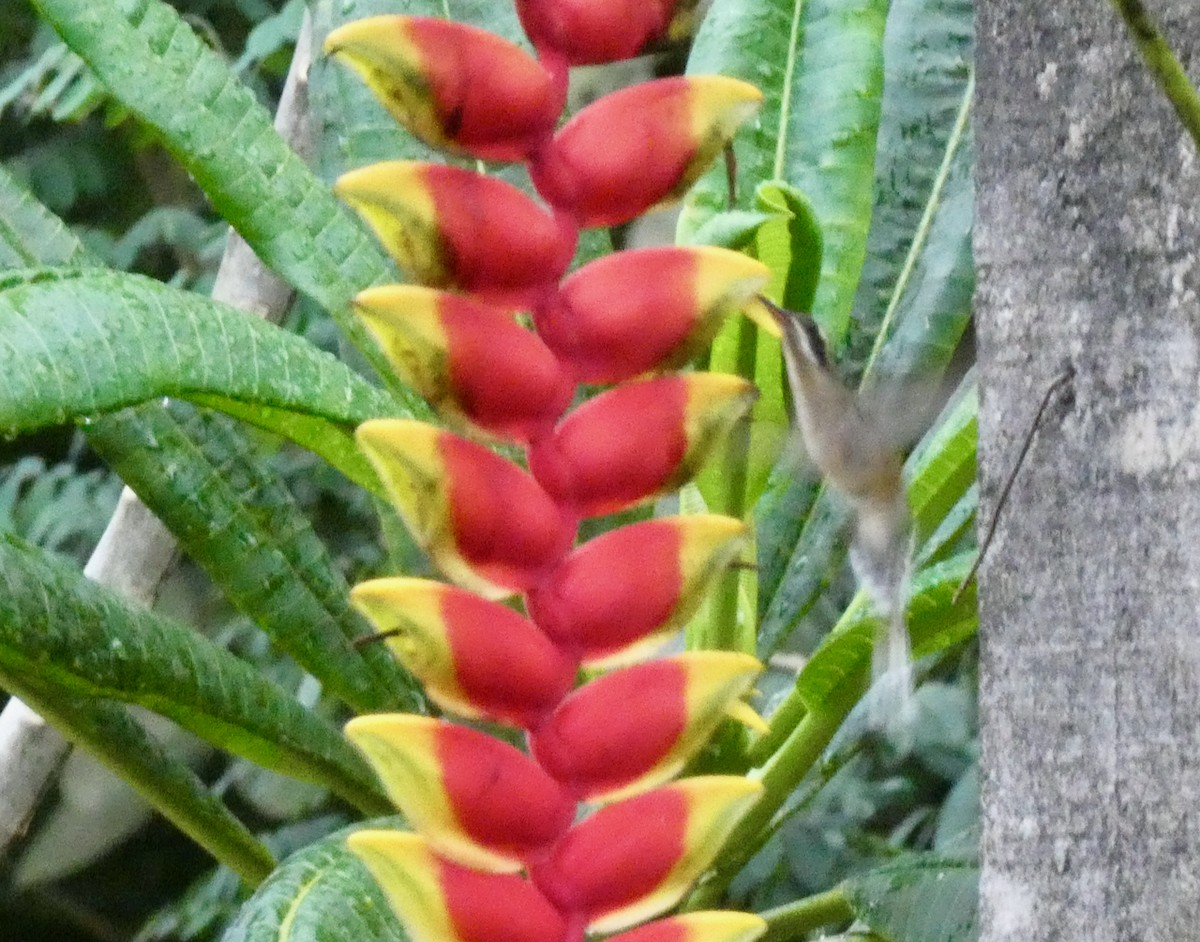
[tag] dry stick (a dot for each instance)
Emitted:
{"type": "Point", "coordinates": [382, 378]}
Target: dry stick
{"type": "Point", "coordinates": [1059, 381]}
{"type": "Point", "coordinates": [136, 551]}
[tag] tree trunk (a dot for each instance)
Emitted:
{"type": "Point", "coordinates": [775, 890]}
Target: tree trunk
{"type": "Point", "coordinates": [1088, 216]}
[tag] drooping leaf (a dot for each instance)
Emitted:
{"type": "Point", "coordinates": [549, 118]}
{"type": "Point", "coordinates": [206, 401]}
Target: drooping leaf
{"type": "Point", "coordinates": [29, 234]}
{"type": "Point", "coordinates": [155, 64]}
{"type": "Point", "coordinates": [110, 734]}
{"type": "Point", "coordinates": [924, 898]}
{"type": "Point", "coordinates": [241, 523]}
{"type": "Point", "coordinates": [320, 894]}
{"type": "Point", "coordinates": [81, 342]}
{"type": "Point", "coordinates": [82, 638]}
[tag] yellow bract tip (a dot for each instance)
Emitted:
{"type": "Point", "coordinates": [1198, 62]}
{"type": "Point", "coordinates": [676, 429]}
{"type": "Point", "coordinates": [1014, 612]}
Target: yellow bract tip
{"type": "Point", "coordinates": [743, 713]}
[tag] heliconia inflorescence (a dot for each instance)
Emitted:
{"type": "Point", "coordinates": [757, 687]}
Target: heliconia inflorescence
{"type": "Point", "coordinates": [586, 832]}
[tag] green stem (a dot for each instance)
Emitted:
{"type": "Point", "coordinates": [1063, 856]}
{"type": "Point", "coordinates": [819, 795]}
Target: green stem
{"type": "Point", "coordinates": [799, 753]}
{"type": "Point", "coordinates": [783, 722]}
{"type": "Point", "coordinates": [798, 919]}
{"type": "Point", "coordinates": [721, 630]}
{"type": "Point", "coordinates": [1163, 64]}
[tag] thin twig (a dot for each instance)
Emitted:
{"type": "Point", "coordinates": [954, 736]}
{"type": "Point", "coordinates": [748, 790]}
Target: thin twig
{"type": "Point", "coordinates": [1059, 381]}
{"type": "Point", "coordinates": [136, 551]}
{"type": "Point", "coordinates": [731, 176]}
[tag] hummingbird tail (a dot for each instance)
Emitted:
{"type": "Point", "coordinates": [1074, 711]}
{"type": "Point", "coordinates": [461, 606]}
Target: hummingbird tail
{"type": "Point", "coordinates": [883, 566]}
{"type": "Point", "coordinates": [892, 707]}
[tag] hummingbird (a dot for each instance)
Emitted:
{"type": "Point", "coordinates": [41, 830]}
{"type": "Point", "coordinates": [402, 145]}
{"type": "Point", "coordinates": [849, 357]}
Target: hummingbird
{"type": "Point", "coordinates": [849, 442]}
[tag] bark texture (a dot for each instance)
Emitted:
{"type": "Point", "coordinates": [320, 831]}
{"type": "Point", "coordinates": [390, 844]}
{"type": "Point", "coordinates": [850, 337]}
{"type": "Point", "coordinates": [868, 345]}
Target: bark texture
{"type": "Point", "coordinates": [1088, 223]}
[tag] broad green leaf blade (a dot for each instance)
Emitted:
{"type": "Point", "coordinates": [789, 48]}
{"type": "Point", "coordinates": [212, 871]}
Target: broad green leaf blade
{"type": "Point", "coordinates": [156, 66]}
{"type": "Point", "coordinates": [779, 518]}
{"type": "Point", "coordinates": [242, 525]}
{"type": "Point", "coordinates": [943, 467]}
{"type": "Point", "coordinates": [934, 622]}
{"type": "Point", "coordinates": [82, 638]}
{"type": "Point", "coordinates": [952, 533]}
{"type": "Point", "coordinates": [81, 342]}
{"type": "Point", "coordinates": [30, 235]}
{"type": "Point", "coordinates": [919, 899]}
{"type": "Point", "coordinates": [320, 894]}
{"type": "Point", "coordinates": [819, 64]}
{"type": "Point", "coordinates": [927, 61]}
{"type": "Point", "coordinates": [108, 732]}
{"type": "Point", "coordinates": [817, 549]}
{"type": "Point", "coordinates": [932, 304]}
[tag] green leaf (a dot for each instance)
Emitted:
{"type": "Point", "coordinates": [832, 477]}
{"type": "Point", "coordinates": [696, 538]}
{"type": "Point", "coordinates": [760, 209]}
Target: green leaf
{"type": "Point", "coordinates": [320, 894]}
{"type": "Point", "coordinates": [919, 899]}
{"type": "Point", "coordinates": [932, 303]}
{"type": "Point", "coordinates": [81, 342]}
{"type": "Point", "coordinates": [220, 499]}
{"type": "Point", "coordinates": [730, 230]}
{"type": "Point", "coordinates": [154, 64]}
{"type": "Point", "coordinates": [934, 622]}
{"type": "Point", "coordinates": [82, 638]}
{"type": "Point", "coordinates": [30, 235]}
{"type": "Point", "coordinates": [927, 85]}
{"type": "Point", "coordinates": [107, 731]}
{"type": "Point", "coordinates": [820, 66]}
{"type": "Point", "coordinates": [789, 242]}
{"type": "Point", "coordinates": [943, 466]}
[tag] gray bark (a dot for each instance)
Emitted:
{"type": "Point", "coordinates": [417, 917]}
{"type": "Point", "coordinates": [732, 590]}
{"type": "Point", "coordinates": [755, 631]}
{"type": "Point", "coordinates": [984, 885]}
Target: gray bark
{"type": "Point", "coordinates": [1088, 214]}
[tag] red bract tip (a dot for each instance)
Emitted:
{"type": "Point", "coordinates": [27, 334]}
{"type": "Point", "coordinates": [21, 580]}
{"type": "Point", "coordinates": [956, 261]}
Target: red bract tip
{"type": "Point", "coordinates": [587, 32]}
{"type": "Point", "coordinates": [637, 441]}
{"type": "Point", "coordinates": [474, 657]}
{"type": "Point", "coordinates": [636, 727]}
{"type": "Point", "coordinates": [451, 228]}
{"type": "Point", "coordinates": [456, 87]}
{"type": "Point", "coordinates": [473, 362]}
{"type": "Point", "coordinates": [646, 309]}
{"type": "Point", "coordinates": [481, 802]}
{"type": "Point", "coordinates": [623, 592]}
{"type": "Point", "coordinates": [484, 520]}
{"type": "Point", "coordinates": [640, 147]}
{"type": "Point", "coordinates": [632, 860]}
{"type": "Point", "coordinates": [440, 901]}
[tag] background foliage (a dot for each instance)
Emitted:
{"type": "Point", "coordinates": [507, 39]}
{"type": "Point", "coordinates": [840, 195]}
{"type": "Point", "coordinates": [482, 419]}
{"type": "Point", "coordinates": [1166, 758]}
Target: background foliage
{"type": "Point", "coordinates": [865, 140]}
